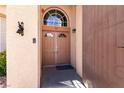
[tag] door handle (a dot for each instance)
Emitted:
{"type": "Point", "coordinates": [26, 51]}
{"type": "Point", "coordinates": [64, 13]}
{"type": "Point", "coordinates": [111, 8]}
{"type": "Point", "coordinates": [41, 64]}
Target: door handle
{"type": "Point", "coordinates": [120, 46]}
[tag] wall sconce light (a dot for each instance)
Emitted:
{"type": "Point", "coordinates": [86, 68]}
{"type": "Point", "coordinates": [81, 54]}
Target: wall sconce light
{"type": "Point", "coordinates": [20, 30]}
{"type": "Point", "coordinates": [73, 30]}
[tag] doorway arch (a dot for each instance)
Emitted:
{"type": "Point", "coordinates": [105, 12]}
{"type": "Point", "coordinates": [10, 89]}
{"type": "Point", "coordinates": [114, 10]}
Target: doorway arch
{"type": "Point", "coordinates": [55, 37]}
{"type": "Point", "coordinates": [58, 13]}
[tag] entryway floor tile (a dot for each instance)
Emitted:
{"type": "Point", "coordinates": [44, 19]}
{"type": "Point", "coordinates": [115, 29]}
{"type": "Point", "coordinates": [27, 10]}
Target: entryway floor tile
{"type": "Point", "coordinates": [53, 78]}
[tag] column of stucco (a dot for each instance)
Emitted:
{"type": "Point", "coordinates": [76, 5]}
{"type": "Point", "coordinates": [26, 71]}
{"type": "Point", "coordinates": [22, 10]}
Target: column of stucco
{"type": "Point", "coordinates": [73, 36]}
{"type": "Point", "coordinates": [2, 34]}
{"type": "Point", "coordinates": [2, 28]}
{"type": "Point", "coordinates": [22, 54]}
{"type": "Point", "coordinates": [3, 9]}
{"type": "Point", "coordinates": [79, 40]}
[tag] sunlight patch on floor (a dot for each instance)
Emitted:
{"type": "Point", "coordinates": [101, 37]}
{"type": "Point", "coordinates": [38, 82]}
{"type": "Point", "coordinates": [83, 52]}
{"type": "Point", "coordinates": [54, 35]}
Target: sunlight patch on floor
{"type": "Point", "coordinates": [78, 84]}
{"type": "Point", "coordinates": [67, 83]}
{"type": "Point", "coordinates": [73, 83]}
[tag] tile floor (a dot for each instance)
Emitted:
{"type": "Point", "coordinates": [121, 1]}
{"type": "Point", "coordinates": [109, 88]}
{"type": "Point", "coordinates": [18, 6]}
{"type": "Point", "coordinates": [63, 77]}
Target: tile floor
{"type": "Point", "coordinates": [53, 78]}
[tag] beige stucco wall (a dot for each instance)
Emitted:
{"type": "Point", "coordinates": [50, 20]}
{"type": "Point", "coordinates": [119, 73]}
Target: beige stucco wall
{"type": "Point", "coordinates": [71, 12]}
{"type": "Point", "coordinates": [3, 9]}
{"type": "Point", "coordinates": [2, 34]}
{"type": "Point", "coordinates": [79, 40]}
{"type": "Point", "coordinates": [73, 36]}
{"type": "Point", "coordinates": [2, 29]}
{"type": "Point", "coordinates": [22, 55]}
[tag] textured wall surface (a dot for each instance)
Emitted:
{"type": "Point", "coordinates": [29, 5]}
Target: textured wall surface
{"type": "Point", "coordinates": [2, 34]}
{"type": "Point", "coordinates": [2, 28]}
{"type": "Point", "coordinates": [22, 54]}
{"type": "Point", "coordinates": [79, 40]}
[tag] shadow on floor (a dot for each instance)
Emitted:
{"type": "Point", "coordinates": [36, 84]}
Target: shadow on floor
{"type": "Point", "coordinates": [53, 78]}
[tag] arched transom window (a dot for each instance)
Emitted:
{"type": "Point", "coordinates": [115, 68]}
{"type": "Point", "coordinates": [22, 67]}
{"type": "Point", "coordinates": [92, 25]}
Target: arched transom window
{"type": "Point", "coordinates": [55, 17]}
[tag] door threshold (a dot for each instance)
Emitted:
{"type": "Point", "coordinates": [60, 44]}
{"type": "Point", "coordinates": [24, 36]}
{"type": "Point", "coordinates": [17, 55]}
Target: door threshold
{"type": "Point", "coordinates": [54, 65]}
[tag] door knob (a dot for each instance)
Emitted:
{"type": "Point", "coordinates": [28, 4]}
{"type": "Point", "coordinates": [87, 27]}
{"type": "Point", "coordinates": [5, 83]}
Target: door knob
{"type": "Point", "coordinates": [120, 46]}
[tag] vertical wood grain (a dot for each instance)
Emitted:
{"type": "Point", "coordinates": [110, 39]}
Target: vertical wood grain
{"type": "Point", "coordinates": [63, 54]}
{"type": "Point", "coordinates": [56, 50]}
{"type": "Point", "coordinates": [103, 34]}
{"type": "Point", "coordinates": [48, 49]}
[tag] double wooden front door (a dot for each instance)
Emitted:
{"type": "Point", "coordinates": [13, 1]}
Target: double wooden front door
{"type": "Point", "coordinates": [56, 48]}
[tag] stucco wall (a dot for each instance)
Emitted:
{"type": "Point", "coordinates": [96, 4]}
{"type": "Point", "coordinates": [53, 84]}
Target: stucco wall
{"type": "Point", "coordinates": [22, 54]}
{"type": "Point", "coordinates": [3, 9]}
{"type": "Point", "coordinates": [71, 12]}
{"type": "Point", "coordinates": [73, 36]}
{"type": "Point", "coordinates": [2, 29]}
{"type": "Point", "coordinates": [79, 40]}
{"type": "Point", "coordinates": [2, 34]}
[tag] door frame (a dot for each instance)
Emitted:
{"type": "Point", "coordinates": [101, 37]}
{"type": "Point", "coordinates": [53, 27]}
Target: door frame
{"type": "Point", "coordinates": [53, 28]}
{"type": "Point", "coordinates": [44, 28]}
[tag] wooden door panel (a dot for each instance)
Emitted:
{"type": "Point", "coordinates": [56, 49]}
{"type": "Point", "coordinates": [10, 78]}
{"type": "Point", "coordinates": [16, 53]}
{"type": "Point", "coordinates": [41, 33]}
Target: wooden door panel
{"type": "Point", "coordinates": [120, 35]}
{"type": "Point", "coordinates": [63, 54]}
{"type": "Point", "coordinates": [56, 50]}
{"type": "Point", "coordinates": [119, 65]}
{"type": "Point", "coordinates": [48, 49]}
{"type": "Point", "coordinates": [120, 14]}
